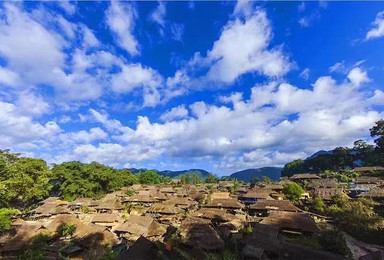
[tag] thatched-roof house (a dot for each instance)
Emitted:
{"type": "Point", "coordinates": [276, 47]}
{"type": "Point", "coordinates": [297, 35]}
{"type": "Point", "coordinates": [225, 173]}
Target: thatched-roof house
{"type": "Point", "coordinates": [256, 194]}
{"type": "Point", "coordinates": [368, 169]}
{"type": "Point", "coordinates": [140, 199]}
{"type": "Point", "coordinates": [375, 194]}
{"type": "Point", "coordinates": [184, 203]}
{"type": "Point", "coordinates": [304, 176]}
{"type": "Point", "coordinates": [326, 193]}
{"type": "Point", "coordinates": [109, 206]}
{"type": "Point", "coordinates": [136, 226]}
{"type": "Point", "coordinates": [368, 180]}
{"type": "Point", "coordinates": [322, 183]}
{"type": "Point", "coordinates": [78, 203]}
{"type": "Point", "coordinates": [215, 214]}
{"type": "Point", "coordinates": [220, 195]}
{"type": "Point", "coordinates": [49, 209]}
{"type": "Point", "coordinates": [291, 222]}
{"type": "Point", "coordinates": [164, 209]}
{"type": "Point", "coordinates": [105, 219]}
{"type": "Point", "coordinates": [199, 233]}
{"type": "Point", "coordinates": [224, 204]}
{"type": "Point", "coordinates": [263, 207]}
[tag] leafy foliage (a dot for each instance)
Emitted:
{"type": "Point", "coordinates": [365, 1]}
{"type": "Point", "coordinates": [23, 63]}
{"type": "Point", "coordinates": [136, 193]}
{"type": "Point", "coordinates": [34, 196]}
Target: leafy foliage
{"type": "Point", "coordinates": [293, 191]}
{"type": "Point", "coordinates": [6, 216]}
{"type": "Point", "coordinates": [94, 180]}
{"type": "Point", "coordinates": [211, 179]}
{"type": "Point", "coordinates": [66, 230]}
{"type": "Point", "coordinates": [23, 181]}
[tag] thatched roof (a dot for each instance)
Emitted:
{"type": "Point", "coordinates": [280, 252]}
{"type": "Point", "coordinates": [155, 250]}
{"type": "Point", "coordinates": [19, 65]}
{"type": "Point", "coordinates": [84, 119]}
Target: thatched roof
{"type": "Point", "coordinates": [162, 208]}
{"type": "Point", "coordinates": [326, 193]}
{"type": "Point", "coordinates": [282, 205]}
{"type": "Point", "coordinates": [110, 205]}
{"type": "Point", "coordinates": [217, 214]}
{"type": "Point", "coordinates": [23, 237]}
{"type": "Point", "coordinates": [225, 203]}
{"type": "Point", "coordinates": [141, 199]}
{"type": "Point", "coordinates": [258, 193]}
{"type": "Point", "coordinates": [167, 190]}
{"type": "Point", "coordinates": [89, 202]}
{"type": "Point", "coordinates": [368, 169]}
{"type": "Point", "coordinates": [105, 218]}
{"type": "Point", "coordinates": [272, 186]}
{"type": "Point", "coordinates": [181, 201]}
{"type": "Point", "coordinates": [141, 226]}
{"type": "Point", "coordinates": [48, 209]}
{"type": "Point", "coordinates": [220, 195]}
{"type": "Point", "coordinates": [304, 176]}
{"type": "Point", "coordinates": [368, 180]}
{"type": "Point", "coordinates": [54, 224]}
{"type": "Point", "coordinates": [373, 193]}
{"type": "Point", "coordinates": [53, 200]}
{"type": "Point", "coordinates": [322, 183]}
{"type": "Point", "coordinates": [199, 233]}
{"type": "Point", "coordinates": [291, 221]}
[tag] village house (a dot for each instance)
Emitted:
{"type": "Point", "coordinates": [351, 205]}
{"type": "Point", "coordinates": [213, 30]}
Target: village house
{"type": "Point", "coordinates": [48, 208]}
{"type": "Point", "coordinates": [326, 194]}
{"type": "Point", "coordinates": [142, 200]}
{"type": "Point", "coordinates": [111, 206]}
{"type": "Point", "coordinates": [105, 219]}
{"type": "Point", "coordinates": [368, 170]}
{"type": "Point", "coordinates": [82, 203]}
{"type": "Point", "coordinates": [374, 194]}
{"type": "Point", "coordinates": [199, 233]}
{"type": "Point", "coordinates": [291, 223]}
{"type": "Point", "coordinates": [136, 226]}
{"type": "Point", "coordinates": [322, 183]}
{"type": "Point", "coordinates": [256, 194]}
{"type": "Point", "coordinates": [363, 184]}
{"type": "Point", "coordinates": [298, 177]}
{"type": "Point", "coordinates": [264, 207]}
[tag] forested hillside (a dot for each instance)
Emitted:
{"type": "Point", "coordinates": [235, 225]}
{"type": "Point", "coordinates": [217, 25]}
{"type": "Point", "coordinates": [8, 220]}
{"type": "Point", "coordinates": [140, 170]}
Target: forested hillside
{"type": "Point", "coordinates": [341, 158]}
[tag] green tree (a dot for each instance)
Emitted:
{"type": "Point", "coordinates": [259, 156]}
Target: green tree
{"type": "Point", "coordinates": [378, 131]}
{"type": "Point", "coordinates": [266, 179]}
{"type": "Point", "coordinates": [211, 178]}
{"type": "Point", "coordinates": [6, 216]}
{"type": "Point", "coordinates": [255, 180]}
{"type": "Point", "coordinates": [66, 230]}
{"type": "Point", "coordinates": [23, 181]}
{"type": "Point", "coordinates": [293, 191]}
{"type": "Point", "coordinates": [296, 166]}
{"type": "Point", "coordinates": [317, 205]}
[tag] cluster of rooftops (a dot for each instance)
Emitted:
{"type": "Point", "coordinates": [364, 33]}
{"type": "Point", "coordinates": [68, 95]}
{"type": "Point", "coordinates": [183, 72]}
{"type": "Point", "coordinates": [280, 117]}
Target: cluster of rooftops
{"type": "Point", "coordinates": [138, 219]}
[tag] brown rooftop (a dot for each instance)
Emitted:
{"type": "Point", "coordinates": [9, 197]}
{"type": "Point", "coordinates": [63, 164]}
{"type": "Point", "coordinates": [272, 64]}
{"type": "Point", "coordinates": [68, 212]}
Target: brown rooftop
{"type": "Point", "coordinates": [105, 218]}
{"type": "Point", "coordinates": [291, 220]}
{"type": "Point", "coordinates": [281, 205]}
{"type": "Point", "coordinates": [225, 203]}
{"type": "Point", "coordinates": [304, 176]}
{"type": "Point", "coordinates": [326, 193]}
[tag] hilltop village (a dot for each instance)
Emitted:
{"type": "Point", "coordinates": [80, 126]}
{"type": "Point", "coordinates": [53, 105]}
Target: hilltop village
{"type": "Point", "coordinates": [305, 216]}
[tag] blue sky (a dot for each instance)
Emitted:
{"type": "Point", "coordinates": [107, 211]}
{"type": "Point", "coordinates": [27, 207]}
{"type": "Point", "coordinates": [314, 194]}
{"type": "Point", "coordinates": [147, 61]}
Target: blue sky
{"type": "Point", "coordinates": [222, 86]}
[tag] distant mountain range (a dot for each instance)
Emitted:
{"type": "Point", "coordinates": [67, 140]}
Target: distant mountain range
{"type": "Point", "coordinates": [246, 175]}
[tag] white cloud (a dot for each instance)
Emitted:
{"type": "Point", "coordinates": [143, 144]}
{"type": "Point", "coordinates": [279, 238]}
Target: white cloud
{"type": "Point", "coordinates": [242, 47]}
{"type": "Point", "coordinates": [378, 27]}
{"type": "Point", "coordinates": [158, 15]}
{"type": "Point", "coordinates": [68, 7]}
{"type": "Point", "coordinates": [93, 134]}
{"type": "Point", "coordinates": [31, 104]}
{"type": "Point", "coordinates": [20, 131]}
{"type": "Point", "coordinates": [120, 18]}
{"type": "Point", "coordinates": [276, 122]}
{"type": "Point", "coordinates": [338, 67]}
{"type": "Point", "coordinates": [305, 73]}
{"type": "Point", "coordinates": [9, 77]}
{"type": "Point", "coordinates": [357, 76]}
{"type": "Point", "coordinates": [175, 113]}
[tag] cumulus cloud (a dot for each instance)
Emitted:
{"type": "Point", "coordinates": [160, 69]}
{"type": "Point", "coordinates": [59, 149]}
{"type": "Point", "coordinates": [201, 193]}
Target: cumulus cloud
{"type": "Point", "coordinates": [377, 29]}
{"type": "Point", "coordinates": [268, 128]}
{"type": "Point", "coordinates": [175, 113]}
{"type": "Point", "coordinates": [120, 18]}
